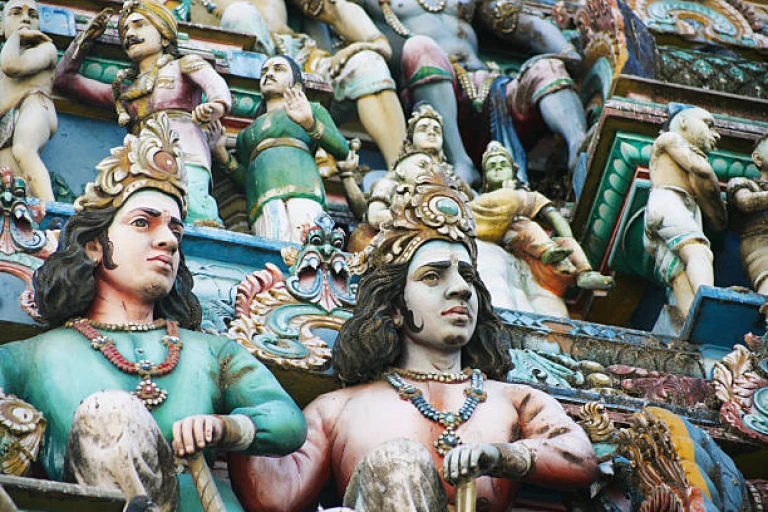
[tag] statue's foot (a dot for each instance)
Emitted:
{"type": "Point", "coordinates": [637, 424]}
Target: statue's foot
{"type": "Point", "coordinates": [555, 255]}
{"type": "Point", "coordinates": [594, 281]}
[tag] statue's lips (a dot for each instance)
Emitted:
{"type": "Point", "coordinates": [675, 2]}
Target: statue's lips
{"type": "Point", "coordinates": [162, 258]}
{"type": "Point", "coordinates": [456, 311]}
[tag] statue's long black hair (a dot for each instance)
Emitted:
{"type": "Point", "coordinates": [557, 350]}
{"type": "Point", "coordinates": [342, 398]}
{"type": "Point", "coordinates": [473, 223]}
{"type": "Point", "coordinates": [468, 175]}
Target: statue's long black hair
{"type": "Point", "coordinates": [65, 285]}
{"type": "Point", "coordinates": [369, 343]}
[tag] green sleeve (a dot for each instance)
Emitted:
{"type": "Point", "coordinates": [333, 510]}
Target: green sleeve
{"type": "Point", "coordinates": [332, 140]}
{"type": "Point", "coordinates": [249, 388]}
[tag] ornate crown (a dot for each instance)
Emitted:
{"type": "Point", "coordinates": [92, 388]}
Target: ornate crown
{"type": "Point", "coordinates": [151, 160]}
{"type": "Point", "coordinates": [495, 148]}
{"type": "Point", "coordinates": [432, 208]}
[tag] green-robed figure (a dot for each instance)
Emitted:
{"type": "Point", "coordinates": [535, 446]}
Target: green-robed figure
{"type": "Point", "coordinates": [275, 160]}
{"type": "Point", "coordinates": [124, 380]}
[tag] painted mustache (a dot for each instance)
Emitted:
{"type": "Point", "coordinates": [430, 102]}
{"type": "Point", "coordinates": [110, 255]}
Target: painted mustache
{"type": "Point", "coordinates": [131, 40]}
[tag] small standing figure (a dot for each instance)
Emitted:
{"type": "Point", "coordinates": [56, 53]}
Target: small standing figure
{"type": "Point", "coordinates": [684, 191]}
{"type": "Point", "coordinates": [275, 160]}
{"type": "Point", "coordinates": [750, 197]}
{"type": "Point", "coordinates": [27, 114]}
{"type": "Point", "coordinates": [159, 80]}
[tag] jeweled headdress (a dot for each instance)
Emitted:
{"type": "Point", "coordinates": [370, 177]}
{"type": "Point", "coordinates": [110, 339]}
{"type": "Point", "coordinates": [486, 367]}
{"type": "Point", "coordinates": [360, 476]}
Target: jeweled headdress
{"type": "Point", "coordinates": [151, 160]}
{"type": "Point", "coordinates": [423, 111]}
{"type": "Point", "coordinates": [495, 148]}
{"type": "Point", "coordinates": [432, 208]}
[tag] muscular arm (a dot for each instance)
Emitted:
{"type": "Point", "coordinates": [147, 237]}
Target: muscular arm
{"type": "Point", "coordinates": [19, 61]}
{"type": "Point", "coordinates": [210, 82]}
{"type": "Point", "coordinates": [562, 454]}
{"type": "Point", "coordinates": [332, 140]}
{"type": "Point", "coordinates": [557, 221]}
{"type": "Point", "coordinates": [746, 200]}
{"type": "Point", "coordinates": [289, 483]}
{"type": "Point", "coordinates": [70, 83]}
{"type": "Point", "coordinates": [250, 389]}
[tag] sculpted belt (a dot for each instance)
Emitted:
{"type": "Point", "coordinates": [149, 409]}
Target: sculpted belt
{"type": "Point", "coordinates": [138, 124]}
{"type": "Point", "coordinates": [278, 142]}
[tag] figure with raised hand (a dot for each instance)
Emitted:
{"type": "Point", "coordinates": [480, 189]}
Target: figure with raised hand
{"type": "Point", "coordinates": [125, 380]}
{"type": "Point", "coordinates": [27, 114]}
{"type": "Point", "coordinates": [357, 72]}
{"type": "Point", "coordinates": [750, 198]}
{"type": "Point", "coordinates": [684, 193]}
{"type": "Point", "coordinates": [425, 407]}
{"type": "Point", "coordinates": [275, 157]}
{"type": "Point", "coordinates": [159, 80]}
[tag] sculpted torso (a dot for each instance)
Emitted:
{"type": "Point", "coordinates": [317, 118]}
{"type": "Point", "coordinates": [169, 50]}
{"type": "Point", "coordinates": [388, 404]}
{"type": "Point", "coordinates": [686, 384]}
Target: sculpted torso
{"type": "Point", "coordinates": [12, 88]}
{"type": "Point", "coordinates": [452, 33]}
{"type": "Point", "coordinates": [669, 171]}
{"type": "Point", "coordinates": [376, 410]}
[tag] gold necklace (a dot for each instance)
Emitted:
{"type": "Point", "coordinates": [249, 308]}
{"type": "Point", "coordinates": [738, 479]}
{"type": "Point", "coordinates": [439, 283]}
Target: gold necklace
{"type": "Point", "coordinates": [447, 378]}
{"type": "Point", "coordinates": [130, 326]}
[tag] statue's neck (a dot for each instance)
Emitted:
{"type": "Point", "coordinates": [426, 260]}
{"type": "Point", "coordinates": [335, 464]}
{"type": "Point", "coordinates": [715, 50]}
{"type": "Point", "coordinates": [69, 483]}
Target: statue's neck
{"type": "Point", "coordinates": [118, 307]}
{"type": "Point", "coordinates": [428, 359]}
{"type": "Point", "coordinates": [148, 63]}
{"type": "Point", "coordinates": [275, 103]}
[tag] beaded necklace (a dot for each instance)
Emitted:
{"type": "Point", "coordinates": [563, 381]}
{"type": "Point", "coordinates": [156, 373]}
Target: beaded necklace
{"type": "Point", "coordinates": [449, 439]}
{"type": "Point", "coordinates": [448, 378]}
{"type": "Point", "coordinates": [146, 390]}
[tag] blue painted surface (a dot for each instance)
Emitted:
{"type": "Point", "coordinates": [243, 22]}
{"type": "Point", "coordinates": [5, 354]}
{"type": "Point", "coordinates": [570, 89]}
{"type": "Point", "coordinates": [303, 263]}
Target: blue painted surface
{"type": "Point", "coordinates": [57, 20]}
{"type": "Point", "coordinates": [78, 146]}
{"type": "Point", "coordinates": [722, 317]}
{"type": "Point", "coordinates": [247, 64]}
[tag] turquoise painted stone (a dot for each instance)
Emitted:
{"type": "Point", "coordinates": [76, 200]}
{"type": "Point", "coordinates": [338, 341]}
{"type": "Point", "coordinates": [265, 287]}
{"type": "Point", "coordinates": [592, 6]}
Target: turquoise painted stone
{"type": "Point", "coordinates": [447, 206]}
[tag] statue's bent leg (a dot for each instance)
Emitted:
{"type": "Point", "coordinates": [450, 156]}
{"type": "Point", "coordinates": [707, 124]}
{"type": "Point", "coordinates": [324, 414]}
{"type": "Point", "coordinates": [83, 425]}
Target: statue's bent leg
{"type": "Point", "coordinates": [428, 73]}
{"type": "Point", "coordinates": [366, 80]}
{"type": "Point", "coordinates": [115, 443]}
{"type": "Point", "coordinates": [36, 124]}
{"type": "Point", "coordinates": [244, 17]}
{"type": "Point", "coordinates": [547, 83]}
{"type": "Point", "coordinates": [396, 475]}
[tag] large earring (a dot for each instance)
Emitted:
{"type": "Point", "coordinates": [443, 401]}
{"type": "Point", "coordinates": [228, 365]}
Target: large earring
{"type": "Point", "coordinates": [398, 321]}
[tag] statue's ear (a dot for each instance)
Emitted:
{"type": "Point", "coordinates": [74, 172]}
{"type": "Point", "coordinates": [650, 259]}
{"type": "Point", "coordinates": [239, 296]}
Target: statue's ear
{"type": "Point", "coordinates": [397, 317]}
{"type": "Point", "coordinates": [94, 251]}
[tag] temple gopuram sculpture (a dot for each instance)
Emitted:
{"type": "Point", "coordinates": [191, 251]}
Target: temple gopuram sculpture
{"type": "Point", "coordinates": [357, 71]}
{"type": "Point", "coordinates": [674, 406]}
{"type": "Point", "coordinates": [111, 378]}
{"type": "Point", "coordinates": [508, 221]}
{"type": "Point", "coordinates": [423, 332]}
{"type": "Point", "coordinates": [159, 80]}
{"type": "Point", "coordinates": [684, 192]}
{"type": "Point", "coordinates": [750, 199]}
{"type": "Point", "coordinates": [27, 114]}
{"type": "Point", "coordinates": [275, 155]}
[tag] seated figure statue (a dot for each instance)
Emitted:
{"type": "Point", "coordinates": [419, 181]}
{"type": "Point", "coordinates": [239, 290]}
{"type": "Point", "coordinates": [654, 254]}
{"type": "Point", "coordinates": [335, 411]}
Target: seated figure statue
{"type": "Point", "coordinates": [425, 407]}
{"type": "Point", "coordinates": [512, 218]}
{"type": "Point", "coordinates": [275, 160]}
{"type": "Point", "coordinates": [124, 379]}
{"type": "Point", "coordinates": [27, 114]}
{"type": "Point", "coordinates": [357, 72]}
{"type": "Point", "coordinates": [159, 80]}
{"type": "Point", "coordinates": [684, 192]}
{"type": "Point", "coordinates": [750, 197]}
